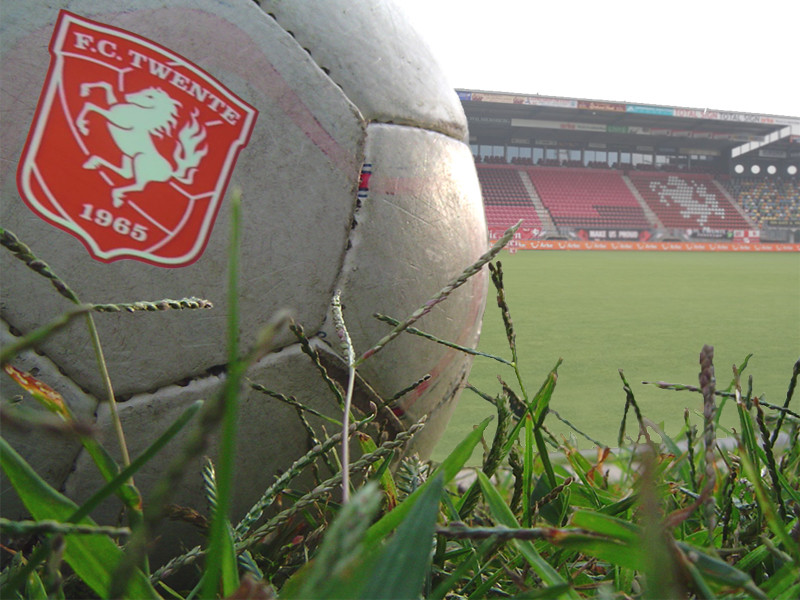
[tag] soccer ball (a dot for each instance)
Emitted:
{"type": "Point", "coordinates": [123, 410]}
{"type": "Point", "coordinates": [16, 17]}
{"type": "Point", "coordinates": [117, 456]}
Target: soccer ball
{"type": "Point", "coordinates": [351, 152]}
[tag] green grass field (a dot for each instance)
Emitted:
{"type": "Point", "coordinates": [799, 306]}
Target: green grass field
{"type": "Point", "coordinates": [648, 313]}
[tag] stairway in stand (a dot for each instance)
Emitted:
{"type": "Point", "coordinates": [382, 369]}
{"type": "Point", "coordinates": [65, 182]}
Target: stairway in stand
{"type": "Point", "coordinates": [651, 216]}
{"type": "Point", "coordinates": [544, 215]}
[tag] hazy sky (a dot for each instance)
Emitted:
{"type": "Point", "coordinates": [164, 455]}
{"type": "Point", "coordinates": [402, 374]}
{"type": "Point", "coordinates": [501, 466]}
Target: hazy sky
{"type": "Point", "coordinates": [740, 56]}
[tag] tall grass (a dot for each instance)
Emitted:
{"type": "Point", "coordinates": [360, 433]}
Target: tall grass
{"type": "Point", "coordinates": [711, 513]}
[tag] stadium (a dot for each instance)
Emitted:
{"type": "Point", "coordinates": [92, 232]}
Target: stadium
{"type": "Point", "coordinates": [589, 174]}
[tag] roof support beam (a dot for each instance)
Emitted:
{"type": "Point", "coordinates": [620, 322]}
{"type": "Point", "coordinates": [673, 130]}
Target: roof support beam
{"type": "Point", "coordinates": [789, 130]}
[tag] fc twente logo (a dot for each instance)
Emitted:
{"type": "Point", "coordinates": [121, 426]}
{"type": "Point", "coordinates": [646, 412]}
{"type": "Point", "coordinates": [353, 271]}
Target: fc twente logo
{"type": "Point", "coordinates": [132, 145]}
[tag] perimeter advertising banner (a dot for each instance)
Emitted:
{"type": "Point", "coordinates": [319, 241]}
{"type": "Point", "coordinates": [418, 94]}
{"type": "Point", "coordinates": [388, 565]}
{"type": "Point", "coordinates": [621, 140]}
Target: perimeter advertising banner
{"type": "Point", "coordinates": [516, 245]}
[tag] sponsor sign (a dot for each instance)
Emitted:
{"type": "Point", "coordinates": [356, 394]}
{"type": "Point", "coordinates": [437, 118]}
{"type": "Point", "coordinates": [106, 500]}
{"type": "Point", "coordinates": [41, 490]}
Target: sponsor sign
{"type": "Point", "coordinates": [132, 145]}
{"type": "Point", "coordinates": [554, 102]}
{"type": "Point", "coordinates": [569, 125]}
{"type": "Point", "coordinates": [688, 113]}
{"type": "Point", "coordinates": [649, 110]}
{"type": "Point", "coordinates": [747, 236]}
{"type": "Point", "coordinates": [597, 105]}
{"type": "Point", "coordinates": [710, 234]}
{"type": "Point", "coordinates": [613, 234]}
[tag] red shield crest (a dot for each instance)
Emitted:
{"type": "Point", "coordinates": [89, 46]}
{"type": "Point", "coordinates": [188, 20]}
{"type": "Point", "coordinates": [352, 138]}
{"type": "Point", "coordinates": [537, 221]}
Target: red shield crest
{"type": "Point", "coordinates": [132, 145]}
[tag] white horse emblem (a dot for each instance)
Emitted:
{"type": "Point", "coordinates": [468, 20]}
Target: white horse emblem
{"type": "Point", "coordinates": [146, 113]}
{"type": "Point", "coordinates": [694, 199]}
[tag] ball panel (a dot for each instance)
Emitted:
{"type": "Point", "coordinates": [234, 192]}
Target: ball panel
{"type": "Point", "coordinates": [421, 224]}
{"type": "Point", "coordinates": [378, 58]}
{"type": "Point", "coordinates": [301, 167]}
{"type": "Point", "coordinates": [270, 436]}
{"type": "Point", "coordinates": [51, 455]}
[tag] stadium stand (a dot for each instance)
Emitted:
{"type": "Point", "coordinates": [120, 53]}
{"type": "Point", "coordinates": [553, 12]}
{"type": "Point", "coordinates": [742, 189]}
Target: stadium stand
{"type": "Point", "coordinates": [588, 198]}
{"type": "Point", "coordinates": [772, 202]}
{"type": "Point", "coordinates": [600, 197]}
{"type": "Point", "coordinates": [687, 201]}
{"type": "Point", "coordinates": [587, 169]}
{"type": "Point", "coordinates": [506, 200]}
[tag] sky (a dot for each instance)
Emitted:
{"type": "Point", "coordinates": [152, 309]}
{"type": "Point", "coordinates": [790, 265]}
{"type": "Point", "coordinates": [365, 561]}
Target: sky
{"type": "Point", "coordinates": [720, 55]}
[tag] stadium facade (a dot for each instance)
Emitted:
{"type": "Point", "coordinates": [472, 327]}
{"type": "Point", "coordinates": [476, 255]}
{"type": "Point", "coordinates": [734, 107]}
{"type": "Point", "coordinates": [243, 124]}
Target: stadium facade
{"type": "Point", "coordinates": [586, 170]}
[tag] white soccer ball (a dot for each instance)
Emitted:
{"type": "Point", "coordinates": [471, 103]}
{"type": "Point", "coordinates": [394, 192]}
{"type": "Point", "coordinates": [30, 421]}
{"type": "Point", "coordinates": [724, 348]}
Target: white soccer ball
{"type": "Point", "coordinates": [326, 88]}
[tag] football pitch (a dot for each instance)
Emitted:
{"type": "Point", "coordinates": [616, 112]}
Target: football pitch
{"type": "Point", "coordinates": [647, 313]}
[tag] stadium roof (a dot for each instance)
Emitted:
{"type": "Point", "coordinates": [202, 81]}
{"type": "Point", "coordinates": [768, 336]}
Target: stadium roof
{"type": "Point", "coordinates": [500, 117]}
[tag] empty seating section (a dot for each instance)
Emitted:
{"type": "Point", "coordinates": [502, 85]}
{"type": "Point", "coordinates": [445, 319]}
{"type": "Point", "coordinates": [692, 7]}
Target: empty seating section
{"type": "Point", "coordinates": [601, 199]}
{"type": "Point", "coordinates": [687, 201]}
{"type": "Point", "coordinates": [502, 186]}
{"type": "Point", "coordinates": [773, 202]}
{"type": "Point", "coordinates": [588, 198]}
{"type": "Point", "coordinates": [505, 198]}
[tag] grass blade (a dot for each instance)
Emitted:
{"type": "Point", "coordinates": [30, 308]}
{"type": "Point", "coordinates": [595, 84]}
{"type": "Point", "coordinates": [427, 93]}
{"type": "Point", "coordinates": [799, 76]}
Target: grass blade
{"type": "Point", "coordinates": [720, 571]}
{"type": "Point", "coordinates": [503, 515]}
{"type": "Point", "coordinates": [618, 529]}
{"type": "Point", "coordinates": [770, 510]}
{"type": "Point", "coordinates": [543, 395]}
{"type": "Point", "coordinates": [93, 558]}
{"type": "Point", "coordinates": [120, 478]}
{"type": "Point", "coordinates": [38, 335]}
{"type": "Point", "coordinates": [53, 402]}
{"type": "Point", "coordinates": [332, 570]}
{"type": "Point", "coordinates": [220, 545]}
{"type": "Point", "coordinates": [448, 469]}
{"type": "Point", "coordinates": [403, 564]}
{"type": "Point", "coordinates": [527, 472]}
